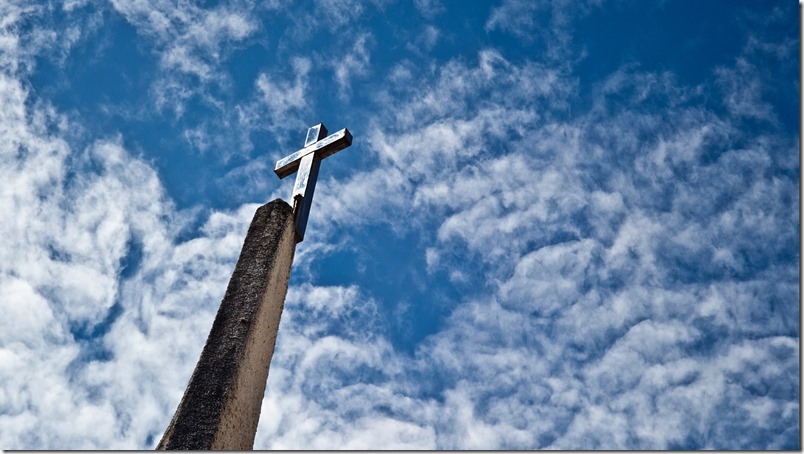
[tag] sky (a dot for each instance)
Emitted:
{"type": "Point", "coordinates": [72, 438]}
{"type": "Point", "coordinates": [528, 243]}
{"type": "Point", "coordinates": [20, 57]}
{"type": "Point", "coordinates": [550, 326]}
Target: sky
{"type": "Point", "coordinates": [561, 224]}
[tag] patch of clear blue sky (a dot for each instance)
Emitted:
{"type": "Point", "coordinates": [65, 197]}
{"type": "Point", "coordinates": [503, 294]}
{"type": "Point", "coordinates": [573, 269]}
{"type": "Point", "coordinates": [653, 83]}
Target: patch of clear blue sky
{"type": "Point", "coordinates": [107, 78]}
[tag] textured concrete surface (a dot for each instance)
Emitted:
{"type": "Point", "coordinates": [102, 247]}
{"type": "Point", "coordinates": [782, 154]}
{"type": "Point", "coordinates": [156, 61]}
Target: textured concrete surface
{"type": "Point", "coordinates": [221, 405]}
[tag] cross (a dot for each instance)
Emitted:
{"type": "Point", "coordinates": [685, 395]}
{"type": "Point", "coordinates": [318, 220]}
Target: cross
{"type": "Point", "coordinates": [306, 162]}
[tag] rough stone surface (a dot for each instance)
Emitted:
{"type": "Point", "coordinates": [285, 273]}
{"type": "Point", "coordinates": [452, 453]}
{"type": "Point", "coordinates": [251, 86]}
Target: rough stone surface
{"type": "Point", "coordinates": [221, 405]}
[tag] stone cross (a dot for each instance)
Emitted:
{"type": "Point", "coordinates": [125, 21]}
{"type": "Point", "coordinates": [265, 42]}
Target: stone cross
{"type": "Point", "coordinates": [306, 162]}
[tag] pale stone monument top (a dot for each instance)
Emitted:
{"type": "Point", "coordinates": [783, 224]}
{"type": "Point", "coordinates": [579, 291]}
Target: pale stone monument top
{"type": "Point", "coordinates": [306, 162]}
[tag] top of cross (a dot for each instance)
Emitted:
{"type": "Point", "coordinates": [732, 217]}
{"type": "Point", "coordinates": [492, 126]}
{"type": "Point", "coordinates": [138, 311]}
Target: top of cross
{"type": "Point", "coordinates": [317, 143]}
{"type": "Point", "coordinates": [306, 161]}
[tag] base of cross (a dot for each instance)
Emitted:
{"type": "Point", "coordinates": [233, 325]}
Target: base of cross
{"type": "Point", "coordinates": [299, 220]}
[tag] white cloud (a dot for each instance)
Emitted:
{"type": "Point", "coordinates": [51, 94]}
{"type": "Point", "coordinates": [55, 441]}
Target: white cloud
{"type": "Point", "coordinates": [190, 42]}
{"type": "Point", "coordinates": [424, 41]}
{"type": "Point", "coordinates": [515, 16]}
{"type": "Point", "coordinates": [548, 277]}
{"type": "Point", "coordinates": [336, 14]}
{"type": "Point", "coordinates": [743, 92]}
{"type": "Point", "coordinates": [354, 64]}
{"type": "Point", "coordinates": [281, 97]}
{"type": "Point", "coordinates": [551, 21]}
{"type": "Point", "coordinates": [429, 8]}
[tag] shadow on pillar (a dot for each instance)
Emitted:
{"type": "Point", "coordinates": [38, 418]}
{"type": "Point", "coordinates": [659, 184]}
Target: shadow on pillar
{"type": "Point", "coordinates": [221, 405]}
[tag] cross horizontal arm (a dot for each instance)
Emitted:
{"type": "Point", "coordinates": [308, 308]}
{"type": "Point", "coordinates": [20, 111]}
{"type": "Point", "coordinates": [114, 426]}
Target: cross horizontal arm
{"type": "Point", "coordinates": [324, 147]}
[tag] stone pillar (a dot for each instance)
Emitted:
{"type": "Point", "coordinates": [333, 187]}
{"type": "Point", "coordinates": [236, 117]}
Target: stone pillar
{"type": "Point", "coordinates": [221, 405]}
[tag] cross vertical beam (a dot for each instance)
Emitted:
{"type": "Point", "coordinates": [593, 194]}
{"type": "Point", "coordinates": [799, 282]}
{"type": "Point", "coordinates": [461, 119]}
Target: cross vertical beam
{"type": "Point", "coordinates": [306, 163]}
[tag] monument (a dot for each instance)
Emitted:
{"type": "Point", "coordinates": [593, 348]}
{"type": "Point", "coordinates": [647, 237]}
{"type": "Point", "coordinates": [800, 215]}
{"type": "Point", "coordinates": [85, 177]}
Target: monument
{"type": "Point", "coordinates": [221, 406]}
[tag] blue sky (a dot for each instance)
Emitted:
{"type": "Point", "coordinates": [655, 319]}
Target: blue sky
{"type": "Point", "coordinates": [569, 225]}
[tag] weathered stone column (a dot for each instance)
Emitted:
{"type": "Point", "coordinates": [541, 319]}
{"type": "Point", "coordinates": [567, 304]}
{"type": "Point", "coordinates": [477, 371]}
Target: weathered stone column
{"type": "Point", "coordinates": [221, 406]}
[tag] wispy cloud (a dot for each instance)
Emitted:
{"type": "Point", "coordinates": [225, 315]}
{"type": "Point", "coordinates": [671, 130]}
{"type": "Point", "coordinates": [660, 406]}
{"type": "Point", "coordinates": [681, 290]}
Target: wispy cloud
{"type": "Point", "coordinates": [354, 64]}
{"type": "Point", "coordinates": [190, 41]}
{"type": "Point", "coordinates": [430, 8]}
{"type": "Point", "coordinates": [742, 91]}
{"type": "Point", "coordinates": [281, 100]}
{"type": "Point", "coordinates": [551, 21]}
